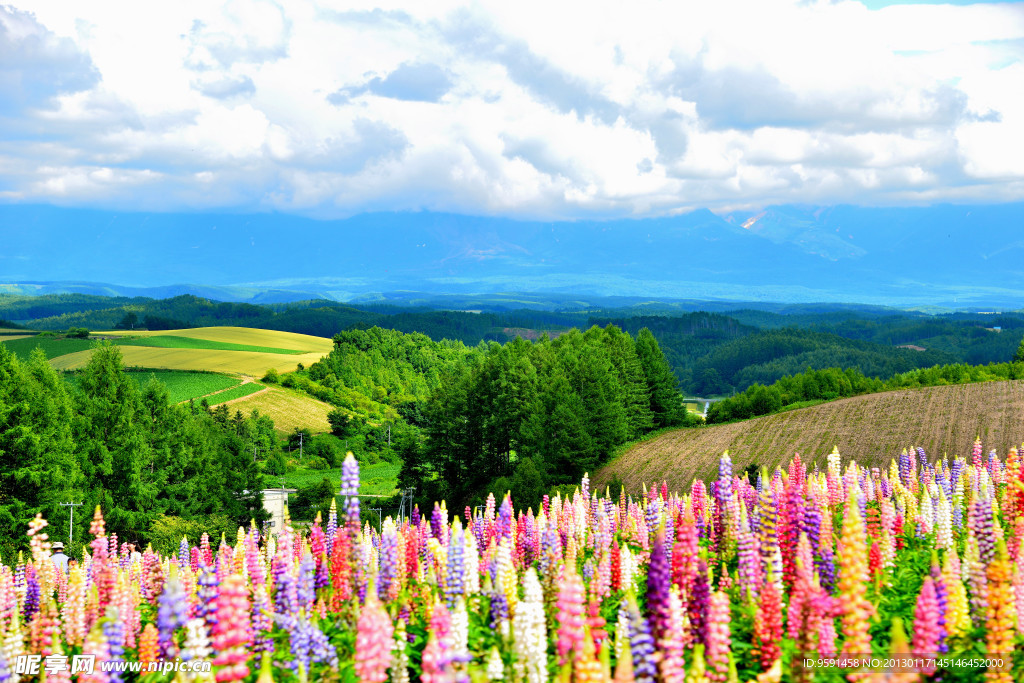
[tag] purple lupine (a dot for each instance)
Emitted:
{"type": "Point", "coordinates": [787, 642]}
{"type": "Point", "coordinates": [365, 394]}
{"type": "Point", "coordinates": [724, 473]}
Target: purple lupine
{"type": "Point", "coordinates": [305, 588]}
{"type": "Point", "coordinates": [921, 457]}
{"type": "Point", "coordinates": [905, 466]}
{"type": "Point", "coordinates": [207, 594]}
{"type": "Point", "coordinates": [332, 528]}
{"type": "Point", "coordinates": [113, 631]}
{"type": "Point", "coordinates": [643, 647]}
{"type": "Point", "coordinates": [659, 580]}
{"type": "Point", "coordinates": [31, 605]}
{"type": "Point", "coordinates": [981, 517]}
{"type": "Point", "coordinates": [171, 615]}
{"type": "Point", "coordinates": [261, 620]}
{"type": "Point", "coordinates": [307, 643]}
{"type": "Point", "coordinates": [503, 523]}
{"type": "Point", "coordinates": [414, 518]}
{"type": "Point", "coordinates": [5, 669]}
{"type": "Point", "coordinates": [183, 553]}
{"type": "Point", "coordinates": [350, 492]}
{"type": "Point", "coordinates": [499, 610]}
{"type": "Point", "coordinates": [286, 595]}
{"type": "Point", "coordinates": [437, 523]}
{"type": "Point", "coordinates": [387, 570]}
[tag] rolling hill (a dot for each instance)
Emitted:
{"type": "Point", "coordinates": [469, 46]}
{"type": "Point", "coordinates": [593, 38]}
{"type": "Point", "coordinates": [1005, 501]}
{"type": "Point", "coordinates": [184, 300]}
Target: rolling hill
{"type": "Point", "coordinates": [871, 429]}
{"type": "Point", "coordinates": [263, 349]}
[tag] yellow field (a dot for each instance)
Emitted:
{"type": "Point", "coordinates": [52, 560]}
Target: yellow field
{"type": "Point", "coordinates": [11, 337]}
{"type": "Point", "coordinates": [288, 409]}
{"type": "Point", "coordinates": [239, 335]}
{"type": "Point", "coordinates": [253, 363]}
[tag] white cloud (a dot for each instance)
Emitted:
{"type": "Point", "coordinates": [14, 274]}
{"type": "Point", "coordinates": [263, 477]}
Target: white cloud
{"type": "Point", "coordinates": [532, 109]}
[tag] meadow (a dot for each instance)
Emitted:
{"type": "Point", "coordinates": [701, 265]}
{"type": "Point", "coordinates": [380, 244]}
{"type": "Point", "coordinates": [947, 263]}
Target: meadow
{"type": "Point", "coordinates": [288, 409]}
{"type": "Point", "coordinates": [181, 386]}
{"type": "Point", "coordinates": [838, 573]}
{"type": "Point", "coordinates": [53, 347]}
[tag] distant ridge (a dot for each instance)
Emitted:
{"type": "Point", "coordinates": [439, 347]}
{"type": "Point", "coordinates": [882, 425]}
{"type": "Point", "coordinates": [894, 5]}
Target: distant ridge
{"type": "Point", "coordinates": [946, 255]}
{"type": "Point", "coordinates": [872, 429]}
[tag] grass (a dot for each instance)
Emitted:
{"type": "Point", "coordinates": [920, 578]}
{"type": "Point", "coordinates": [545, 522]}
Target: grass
{"type": "Point", "coordinates": [236, 392]}
{"type": "Point", "coordinates": [377, 479]}
{"type": "Point", "coordinates": [169, 341]}
{"type": "Point", "coordinates": [52, 346]}
{"type": "Point", "coordinates": [288, 409]}
{"type": "Point", "coordinates": [180, 385]}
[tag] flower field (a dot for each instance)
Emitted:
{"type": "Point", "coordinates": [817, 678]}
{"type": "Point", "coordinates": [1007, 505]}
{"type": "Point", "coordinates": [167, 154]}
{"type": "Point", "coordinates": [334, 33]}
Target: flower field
{"type": "Point", "coordinates": [847, 573]}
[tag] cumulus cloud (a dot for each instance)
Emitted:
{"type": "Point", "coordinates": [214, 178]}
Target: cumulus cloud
{"type": "Point", "coordinates": [36, 65]}
{"type": "Point", "coordinates": [533, 109]}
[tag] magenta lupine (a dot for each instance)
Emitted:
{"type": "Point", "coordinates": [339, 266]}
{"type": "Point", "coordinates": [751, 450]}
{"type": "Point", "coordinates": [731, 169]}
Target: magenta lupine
{"type": "Point", "coordinates": [926, 622]}
{"type": "Point", "coordinates": [570, 614]}
{"type": "Point", "coordinates": [718, 639]}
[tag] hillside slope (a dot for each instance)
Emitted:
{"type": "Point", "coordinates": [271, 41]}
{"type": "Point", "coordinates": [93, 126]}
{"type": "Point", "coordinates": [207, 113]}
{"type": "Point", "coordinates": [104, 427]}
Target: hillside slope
{"type": "Point", "coordinates": [871, 429]}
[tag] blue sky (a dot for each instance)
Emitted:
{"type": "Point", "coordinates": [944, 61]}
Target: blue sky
{"type": "Point", "coordinates": [529, 109]}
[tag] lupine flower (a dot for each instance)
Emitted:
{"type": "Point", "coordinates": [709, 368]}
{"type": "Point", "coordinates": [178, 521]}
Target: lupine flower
{"type": "Point", "coordinates": [570, 614]}
{"type": "Point", "coordinates": [172, 614]}
{"type": "Point", "coordinates": [1001, 615]}
{"type": "Point", "coordinates": [231, 632]}
{"type": "Point", "coordinates": [642, 646]}
{"type": "Point", "coordinates": [718, 642]}
{"type": "Point", "coordinates": [853, 575]}
{"type": "Point", "coordinates": [530, 630]}
{"type": "Point", "coordinates": [659, 579]}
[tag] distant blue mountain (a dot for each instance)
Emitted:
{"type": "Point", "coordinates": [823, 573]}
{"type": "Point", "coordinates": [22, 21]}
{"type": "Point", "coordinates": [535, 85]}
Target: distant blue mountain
{"type": "Point", "coordinates": [940, 254]}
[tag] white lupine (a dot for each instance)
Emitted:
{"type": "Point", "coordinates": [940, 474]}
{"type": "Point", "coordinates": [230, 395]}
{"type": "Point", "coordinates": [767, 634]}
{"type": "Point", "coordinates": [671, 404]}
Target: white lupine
{"type": "Point", "coordinates": [943, 522]}
{"type": "Point", "coordinates": [495, 667]}
{"type": "Point", "coordinates": [399, 658]}
{"type": "Point", "coordinates": [14, 645]}
{"type": "Point", "coordinates": [460, 629]}
{"type": "Point", "coordinates": [471, 565]}
{"type": "Point", "coordinates": [196, 648]}
{"type": "Point", "coordinates": [530, 631]}
{"type": "Point", "coordinates": [924, 517]}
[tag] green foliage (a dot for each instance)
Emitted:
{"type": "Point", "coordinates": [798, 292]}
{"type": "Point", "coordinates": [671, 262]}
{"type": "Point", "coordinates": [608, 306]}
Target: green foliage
{"type": "Point", "coordinates": [1018, 355]}
{"type": "Point", "coordinates": [271, 377]}
{"type": "Point", "coordinates": [166, 532]}
{"type": "Point", "coordinates": [77, 333]}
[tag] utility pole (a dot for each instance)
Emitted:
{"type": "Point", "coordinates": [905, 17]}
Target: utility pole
{"type": "Point", "coordinates": [389, 435]}
{"type": "Point", "coordinates": [71, 522]}
{"type": "Point", "coordinates": [300, 446]}
{"type": "Point", "coordinates": [254, 449]}
{"type": "Point", "coordinates": [406, 495]}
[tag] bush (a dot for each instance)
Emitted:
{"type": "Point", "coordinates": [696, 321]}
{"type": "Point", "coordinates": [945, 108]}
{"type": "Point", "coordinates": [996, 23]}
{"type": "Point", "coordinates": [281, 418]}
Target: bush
{"type": "Point", "coordinates": [271, 376]}
{"type": "Point", "coordinates": [78, 332]}
{"type": "Point", "coordinates": [317, 463]}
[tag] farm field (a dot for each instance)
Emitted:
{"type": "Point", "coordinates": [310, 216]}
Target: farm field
{"type": "Point", "coordinates": [235, 393]}
{"type": "Point", "coordinates": [239, 335]}
{"type": "Point", "coordinates": [22, 346]}
{"type": "Point", "coordinates": [288, 350]}
{"type": "Point", "coordinates": [287, 408]}
{"type": "Point", "coordinates": [872, 429]}
{"type": "Point", "coordinates": [175, 342]}
{"type": "Point", "coordinates": [181, 386]}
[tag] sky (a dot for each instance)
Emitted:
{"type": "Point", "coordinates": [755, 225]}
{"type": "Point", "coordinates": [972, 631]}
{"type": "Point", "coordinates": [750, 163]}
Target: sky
{"type": "Point", "coordinates": [527, 109]}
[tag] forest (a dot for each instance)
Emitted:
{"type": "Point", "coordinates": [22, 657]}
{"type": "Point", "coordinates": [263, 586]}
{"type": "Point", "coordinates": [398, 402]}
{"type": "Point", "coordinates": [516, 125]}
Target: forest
{"type": "Point", "coordinates": [102, 440]}
{"type": "Point", "coordinates": [711, 354]}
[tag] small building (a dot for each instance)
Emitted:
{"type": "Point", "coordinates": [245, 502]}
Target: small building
{"type": "Point", "coordinates": [274, 501]}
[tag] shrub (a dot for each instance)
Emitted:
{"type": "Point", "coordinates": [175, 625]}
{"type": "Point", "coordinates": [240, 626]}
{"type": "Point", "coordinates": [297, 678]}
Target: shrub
{"type": "Point", "coordinates": [271, 376]}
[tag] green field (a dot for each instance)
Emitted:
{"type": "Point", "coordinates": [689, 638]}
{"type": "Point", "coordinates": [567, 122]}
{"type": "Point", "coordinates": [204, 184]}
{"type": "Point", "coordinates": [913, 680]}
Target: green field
{"type": "Point", "coordinates": [167, 341]}
{"type": "Point", "coordinates": [235, 392]}
{"type": "Point", "coordinates": [180, 385]}
{"type": "Point", "coordinates": [52, 346]}
{"type": "Point", "coordinates": [380, 479]}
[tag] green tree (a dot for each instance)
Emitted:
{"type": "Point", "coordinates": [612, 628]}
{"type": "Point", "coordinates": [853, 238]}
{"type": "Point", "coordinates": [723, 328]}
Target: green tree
{"type": "Point", "coordinates": [1018, 356]}
{"type": "Point", "coordinates": [666, 402]}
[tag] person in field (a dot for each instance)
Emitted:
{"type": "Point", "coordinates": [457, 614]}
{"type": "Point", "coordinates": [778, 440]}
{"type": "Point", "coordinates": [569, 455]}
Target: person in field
{"type": "Point", "coordinates": [60, 560]}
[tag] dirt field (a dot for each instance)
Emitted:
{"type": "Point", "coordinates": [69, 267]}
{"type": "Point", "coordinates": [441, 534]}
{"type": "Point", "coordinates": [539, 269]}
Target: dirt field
{"type": "Point", "coordinates": [871, 429]}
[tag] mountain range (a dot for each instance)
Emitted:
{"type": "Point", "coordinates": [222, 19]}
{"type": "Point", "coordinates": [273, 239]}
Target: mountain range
{"type": "Point", "coordinates": [948, 255]}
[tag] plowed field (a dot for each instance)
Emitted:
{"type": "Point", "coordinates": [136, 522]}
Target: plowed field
{"type": "Point", "coordinates": [871, 429]}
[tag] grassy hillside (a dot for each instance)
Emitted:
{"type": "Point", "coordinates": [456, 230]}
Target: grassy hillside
{"type": "Point", "coordinates": [287, 408]}
{"type": "Point", "coordinates": [872, 429]}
